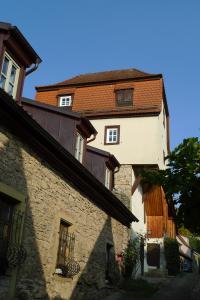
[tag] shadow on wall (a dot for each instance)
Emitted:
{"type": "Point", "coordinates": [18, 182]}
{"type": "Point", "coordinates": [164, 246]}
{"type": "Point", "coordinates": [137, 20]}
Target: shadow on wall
{"type": "Point", "coordinates": [100, 266]}
{"type": "Point", "coordinates": [12, 174]}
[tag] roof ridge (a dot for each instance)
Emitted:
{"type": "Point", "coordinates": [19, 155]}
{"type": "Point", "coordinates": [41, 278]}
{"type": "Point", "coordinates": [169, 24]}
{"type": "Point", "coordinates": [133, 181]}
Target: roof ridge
{"type": "Point", "coordinates": [115, 70]}
{"type": "Point", "coordinates": [102, 76]}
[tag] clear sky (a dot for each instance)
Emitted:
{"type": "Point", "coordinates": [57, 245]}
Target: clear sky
{"type": "Point", "coordinates": [82, 36]}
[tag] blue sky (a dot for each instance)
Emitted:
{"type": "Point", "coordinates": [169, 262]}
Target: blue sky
{"type": "Point", "coordinates": [156, 36]}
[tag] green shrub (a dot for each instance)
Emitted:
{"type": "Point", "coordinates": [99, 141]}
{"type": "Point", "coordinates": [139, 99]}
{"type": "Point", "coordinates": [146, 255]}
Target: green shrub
{"type": "Point", "coordinates": [130, 257]}
{"type": "Point", "coordinates": [195, 243]}
{"type": "Point", "coordinates": [172, 256]}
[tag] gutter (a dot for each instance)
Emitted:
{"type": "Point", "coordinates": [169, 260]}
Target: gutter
{"type": "Point", "coordinates": [34, 68]}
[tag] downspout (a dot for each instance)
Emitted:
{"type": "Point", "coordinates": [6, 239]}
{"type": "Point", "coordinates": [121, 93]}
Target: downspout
{"type": "Point", "coordinates": [116, 171]}
{"type": "Point", "coordinates": [92, 139]}
{"type": "Point", "coordinates": [34, 68]}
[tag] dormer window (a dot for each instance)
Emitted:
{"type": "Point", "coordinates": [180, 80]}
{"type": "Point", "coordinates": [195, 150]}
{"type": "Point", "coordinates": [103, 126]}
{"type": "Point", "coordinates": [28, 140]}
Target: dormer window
{"type": "Point", "coordinates": [65, 100]}
{"type": "Point", "coordinates": [124, 97]}
{"type": "Point", "coordinates": [9, 75]}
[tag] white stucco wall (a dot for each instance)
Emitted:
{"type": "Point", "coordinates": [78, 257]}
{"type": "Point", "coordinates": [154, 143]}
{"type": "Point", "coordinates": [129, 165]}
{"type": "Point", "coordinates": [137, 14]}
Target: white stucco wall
{"type": "Point", "coordinates": [137, 208]}
{"type": "Point", "coordinates": [142, 139]}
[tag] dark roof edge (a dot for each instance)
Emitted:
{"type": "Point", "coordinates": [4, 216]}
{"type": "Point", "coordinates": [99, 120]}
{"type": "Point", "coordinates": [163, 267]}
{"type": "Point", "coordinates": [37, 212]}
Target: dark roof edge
{"type": "Point", "coordinates": [17, 33]}
{"type": "Point", "coordinates": [121, 114]}
{"type": "Point", "coordinates": [97, 150]}
{"type": "Point", "coordinates": [45, 106]}
{"type": "Point", "coordinates": [104, 153]}
{"type": "Point", "coordinates": [62, 161]}
{"type": "Point", "coordinates": [63, 111]}
{"type": "Point", "coordinates": [57, 86]}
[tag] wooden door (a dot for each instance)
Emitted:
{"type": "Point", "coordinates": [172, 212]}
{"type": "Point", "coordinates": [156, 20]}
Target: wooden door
{"type": "Point", "coordinates": [153, 255]}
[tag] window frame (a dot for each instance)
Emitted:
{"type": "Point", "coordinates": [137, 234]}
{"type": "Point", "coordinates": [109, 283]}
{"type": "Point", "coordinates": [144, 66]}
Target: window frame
{"type": "Point", "coordinates": [11, 63]}
{"type": "Point", "coordinates": [123, 102]}
{"type": "Point", "coordinates": [79, 146]}
{"type": "Point", "coordinates": [108, 178]}
{"type": "Point", "coordinates": [106, 134]}
{"type": "Point", "coordinates": [67, 225]}
{"type": "Point", "coordinates": [64, 97]}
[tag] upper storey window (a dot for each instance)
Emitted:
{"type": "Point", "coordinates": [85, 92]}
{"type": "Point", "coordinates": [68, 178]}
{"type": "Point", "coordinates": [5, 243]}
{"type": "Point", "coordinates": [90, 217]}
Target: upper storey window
{"type": "Point", "coordinates": [65, 100]}
{"type": "Point", "coordinates": [124, 97]}
{"type": "Point", "coordinates": [9, 75]}
{"type": "Point", "coordinates": [111, 134]}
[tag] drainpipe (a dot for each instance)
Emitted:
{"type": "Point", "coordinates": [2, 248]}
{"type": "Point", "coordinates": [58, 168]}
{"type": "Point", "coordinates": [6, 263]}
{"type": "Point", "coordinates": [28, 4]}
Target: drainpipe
{"type": "Point", "coordinates": [116, 171]}
{"type": "Point", "coordinates": [34, 68]}
{"type": "Point", "coordinates": [92, 139]}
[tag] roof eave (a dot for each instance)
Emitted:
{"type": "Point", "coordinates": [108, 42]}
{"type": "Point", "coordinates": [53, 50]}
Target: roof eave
{"type": "Point", "coordinates": [62, 161]}
{"type": "Point", "coordinates": [64, 85]}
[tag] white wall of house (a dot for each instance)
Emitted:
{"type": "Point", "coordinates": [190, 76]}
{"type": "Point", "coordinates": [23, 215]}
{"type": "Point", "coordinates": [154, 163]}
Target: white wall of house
{"type": "Point", "coordinates": [142, 139]}
{"type": "Point", "coordinates": [137, 207]}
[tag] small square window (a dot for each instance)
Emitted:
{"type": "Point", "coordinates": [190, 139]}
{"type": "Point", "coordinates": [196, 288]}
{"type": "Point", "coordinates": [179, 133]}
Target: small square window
{"type": "Point", "coordinates": [111, 135]}
{"type": "Point", "coordinates": [124, 97]}
{"type": "Point", "coordinates": [65, 100]}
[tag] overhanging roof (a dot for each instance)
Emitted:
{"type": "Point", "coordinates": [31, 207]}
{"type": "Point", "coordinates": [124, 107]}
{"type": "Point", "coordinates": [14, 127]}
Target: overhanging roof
{"type": "Point", "coordinates": [22, 125]}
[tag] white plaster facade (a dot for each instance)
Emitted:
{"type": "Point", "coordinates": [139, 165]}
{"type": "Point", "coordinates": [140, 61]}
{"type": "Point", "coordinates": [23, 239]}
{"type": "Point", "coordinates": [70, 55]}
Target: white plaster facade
{"type": "Point", "coordinates": [143, 140]}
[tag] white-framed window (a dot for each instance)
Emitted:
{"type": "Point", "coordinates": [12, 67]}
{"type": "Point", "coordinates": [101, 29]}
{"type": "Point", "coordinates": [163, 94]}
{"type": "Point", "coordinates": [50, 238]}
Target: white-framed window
{"type": "Point", "coordinates": [79, 147]}
{"type": "Point", "coordinates": [9, 75]}
{"type": "Point", "coordinates": [65, 100]}
{"type": "Point", "coordinates": [107, 178]}
{"type": "Point", "coordinates": [111, 135]}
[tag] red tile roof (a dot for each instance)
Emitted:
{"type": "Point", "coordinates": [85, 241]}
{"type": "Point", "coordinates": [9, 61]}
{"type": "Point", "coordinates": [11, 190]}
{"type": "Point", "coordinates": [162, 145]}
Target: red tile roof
{"type": "Point", "coordinates": [103, 77]}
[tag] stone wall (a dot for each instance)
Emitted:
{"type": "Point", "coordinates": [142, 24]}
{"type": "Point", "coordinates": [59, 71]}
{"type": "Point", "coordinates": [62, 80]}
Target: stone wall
{"type": "Point", "coordinates": [49, 199]}
{"type": "Point", "coordinates": [123, 184]}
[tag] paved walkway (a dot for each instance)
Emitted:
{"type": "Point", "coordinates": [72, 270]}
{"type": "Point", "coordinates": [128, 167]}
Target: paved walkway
{"type": "Point", "coordinates": [180, 287]}
{"type": "Point", "coordinates": [176, 288]}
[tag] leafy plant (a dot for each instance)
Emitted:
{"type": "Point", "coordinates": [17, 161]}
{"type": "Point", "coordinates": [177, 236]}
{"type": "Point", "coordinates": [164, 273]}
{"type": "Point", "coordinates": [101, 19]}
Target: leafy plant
{"type": "Point", "coordinates": [182, 179]}
{"type": "Point", "coordinates": [130, 257]}
{"type": "Point", "coordinates": [195, 243]}
{"type": "Point", "coordinates": [172, 256]}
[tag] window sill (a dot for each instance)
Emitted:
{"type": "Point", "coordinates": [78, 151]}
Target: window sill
{"type": "Point", "coordinates": [61, 278]}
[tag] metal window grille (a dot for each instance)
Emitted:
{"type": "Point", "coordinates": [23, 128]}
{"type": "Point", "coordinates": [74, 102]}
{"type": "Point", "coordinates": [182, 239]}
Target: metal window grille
{"type": "Point", "coordinates": [65, 259]}
{"type": "Point", "coordinates": [11, 252]}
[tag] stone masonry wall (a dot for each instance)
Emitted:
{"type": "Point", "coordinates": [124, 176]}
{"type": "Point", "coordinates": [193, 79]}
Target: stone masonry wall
{"type": "Point", "coordinates": [49, 199]}
{"type": "Point", "coordinates": [123, 184]}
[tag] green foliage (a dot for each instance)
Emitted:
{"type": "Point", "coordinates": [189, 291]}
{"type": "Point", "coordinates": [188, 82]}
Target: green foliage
{"type": "Point", "coordinates": [182, 178]}
{"type": "Point", "coordinates": [185, 232]}
{"type": "Point", "coordinates": [172, 256]}
{"type": "Point", "coordinates": [195, 243]}
{"type": "Point", "coordinates": [130, 257]}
